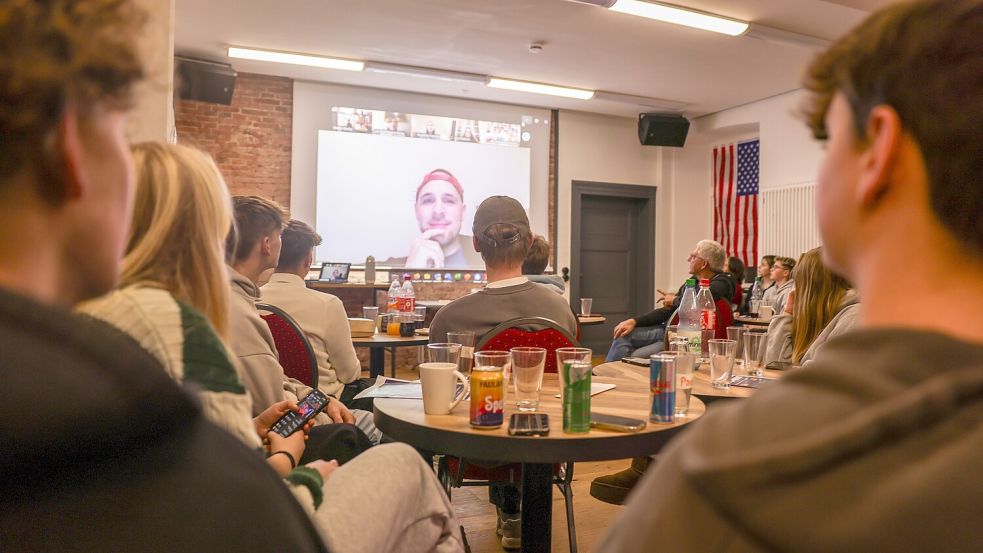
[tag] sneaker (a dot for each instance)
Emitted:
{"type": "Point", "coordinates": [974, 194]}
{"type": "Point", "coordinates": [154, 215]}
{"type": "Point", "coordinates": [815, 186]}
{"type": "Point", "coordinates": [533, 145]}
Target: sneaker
{"type": "Point", "coordinates": [500, 521]}
{"type": "Point", "coordinates": [511, 532]}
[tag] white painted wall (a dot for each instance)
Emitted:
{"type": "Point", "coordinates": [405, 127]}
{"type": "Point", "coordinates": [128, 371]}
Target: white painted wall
{"type": "Point", "coordinates": [604, 148]}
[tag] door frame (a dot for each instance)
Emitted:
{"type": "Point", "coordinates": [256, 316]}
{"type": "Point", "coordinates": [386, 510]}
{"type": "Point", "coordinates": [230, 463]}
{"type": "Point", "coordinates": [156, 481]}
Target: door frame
{"type": "Point", "coordinates": [645, 264]}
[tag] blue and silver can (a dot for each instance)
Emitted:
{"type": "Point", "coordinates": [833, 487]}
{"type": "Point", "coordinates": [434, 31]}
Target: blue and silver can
{"type": "Point", "coordinates": [662, 383]}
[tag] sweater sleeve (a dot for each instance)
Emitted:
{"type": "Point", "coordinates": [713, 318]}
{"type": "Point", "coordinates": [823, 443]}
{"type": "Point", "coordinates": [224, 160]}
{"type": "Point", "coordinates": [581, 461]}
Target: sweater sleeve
{"type": "Point", "coordinates": [656, 317]}
{"type": "Point", "coordinates": [779, 339]}
{"type": "Point", "coordinates": [338, 342]}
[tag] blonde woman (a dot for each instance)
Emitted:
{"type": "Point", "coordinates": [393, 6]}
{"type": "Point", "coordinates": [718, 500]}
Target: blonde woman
{"type": "Point", "coordinates": [821, 306]}
{"type": "Point", "coordinates": [173, 300]}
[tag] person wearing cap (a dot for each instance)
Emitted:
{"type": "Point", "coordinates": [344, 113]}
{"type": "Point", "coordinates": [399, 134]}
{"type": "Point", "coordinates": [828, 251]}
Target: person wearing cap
{"type": "Point", "coordinates": [502, 237]}
{"type": "Point", "coordinates": [439, 212]}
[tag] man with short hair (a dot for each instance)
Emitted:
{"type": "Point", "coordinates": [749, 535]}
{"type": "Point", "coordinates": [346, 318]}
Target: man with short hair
{"type": "Point", "coordinates": [502, 236]}
{"type": "Point", "coordinates": [254, 247]}
{"type": "Point", "coordinates": [781, 276]}
{"type": "Point", "coordinates": [876, 446]}
{"type": "Point", "coordinates": [439, 209]}
{"type": "Point", "coordinates": [101, 450]}
{"type": "Point", "coordinates": [643, 336]}
{"type": "Point", "coordinates": [321, 315]}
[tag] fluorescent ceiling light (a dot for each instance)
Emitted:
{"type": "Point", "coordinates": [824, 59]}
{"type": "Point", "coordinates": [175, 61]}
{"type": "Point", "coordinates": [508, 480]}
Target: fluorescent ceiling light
{"type": "Point", "coordinates": [424, 72]}
{"type": "Point", "coordinates": [537, 88]}
{"type": "Point", "coordinates": [295, 59]}
{"type": "Point", "coordinates": [681, 16]}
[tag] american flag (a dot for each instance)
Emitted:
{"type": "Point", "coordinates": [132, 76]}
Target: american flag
{"type": "Point", "coordinates": [735, 200]}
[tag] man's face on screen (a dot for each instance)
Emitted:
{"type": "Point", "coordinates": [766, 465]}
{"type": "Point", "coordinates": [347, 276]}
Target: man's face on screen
{"type": "Point", "coordinates": [439, 206]}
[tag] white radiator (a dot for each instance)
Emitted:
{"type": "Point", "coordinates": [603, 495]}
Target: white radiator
{"type": "Point", "coordinates": [788, 220]}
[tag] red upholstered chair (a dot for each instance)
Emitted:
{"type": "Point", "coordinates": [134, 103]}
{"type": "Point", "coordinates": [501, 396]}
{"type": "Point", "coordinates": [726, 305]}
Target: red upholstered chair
{"type": "Point", "coordinates": [294, 349]}
{"type": "Point", "coordinates": [521, 332]}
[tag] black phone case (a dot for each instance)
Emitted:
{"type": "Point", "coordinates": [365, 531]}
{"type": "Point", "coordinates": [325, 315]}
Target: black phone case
{"type": "Point", "coordinates": [529, 424]}
{"type": "Point", "coordinates": [289, 423]}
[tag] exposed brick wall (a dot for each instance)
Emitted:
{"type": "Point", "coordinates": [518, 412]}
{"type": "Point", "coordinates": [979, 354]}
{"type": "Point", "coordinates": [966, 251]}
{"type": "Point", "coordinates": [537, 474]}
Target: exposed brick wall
{"type": "Point", "coordinates": [251, 139]}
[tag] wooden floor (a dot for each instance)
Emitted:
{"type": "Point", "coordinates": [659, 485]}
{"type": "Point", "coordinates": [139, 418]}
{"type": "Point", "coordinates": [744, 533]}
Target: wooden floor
{"type": "Point", "coordinates": [592, 517]}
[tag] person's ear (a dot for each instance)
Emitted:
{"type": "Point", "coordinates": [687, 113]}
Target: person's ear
{"type": "Point", "coordinates": [66, 153]}
{"type": "Point", "coordinates": [474, 241]}
{"type": "Point", "coordinates": [264, 246]}
{"type": "Point", "coordinates": [309, 260]}
{"type": "Point", "coordinates": [880, 154]}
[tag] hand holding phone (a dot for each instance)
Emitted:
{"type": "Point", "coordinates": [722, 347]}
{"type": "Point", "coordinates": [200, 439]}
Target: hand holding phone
{"type": "Point", "coordinates": [289, 423]}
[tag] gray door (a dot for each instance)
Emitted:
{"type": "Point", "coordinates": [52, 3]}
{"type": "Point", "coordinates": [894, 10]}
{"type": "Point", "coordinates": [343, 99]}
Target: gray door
{"type": "Point", "coordinates": [614, 258]}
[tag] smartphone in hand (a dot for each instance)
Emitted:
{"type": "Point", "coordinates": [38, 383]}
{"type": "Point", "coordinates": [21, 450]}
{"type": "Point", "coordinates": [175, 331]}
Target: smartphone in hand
{"type": "Point", "coordinates": [314, 403]}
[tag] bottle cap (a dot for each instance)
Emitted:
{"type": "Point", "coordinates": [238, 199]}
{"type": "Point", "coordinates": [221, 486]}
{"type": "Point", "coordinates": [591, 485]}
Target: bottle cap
{"type": "Point", "coordinates": [691, 282]}
{"type": "Point", "coordinates": [704, 282]}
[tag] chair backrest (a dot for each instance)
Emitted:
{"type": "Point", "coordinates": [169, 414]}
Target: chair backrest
{"type": "Point", "coordinates": [529, 332]}
{"type": "Point", "coordinates": [294, 349]}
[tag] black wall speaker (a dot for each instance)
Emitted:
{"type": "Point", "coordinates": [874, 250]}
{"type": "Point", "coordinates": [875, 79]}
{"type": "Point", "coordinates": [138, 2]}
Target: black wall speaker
{"type": "Point", "coordinates": [204, 81]}
{"type": "Point", "coordinates": [662, 130]}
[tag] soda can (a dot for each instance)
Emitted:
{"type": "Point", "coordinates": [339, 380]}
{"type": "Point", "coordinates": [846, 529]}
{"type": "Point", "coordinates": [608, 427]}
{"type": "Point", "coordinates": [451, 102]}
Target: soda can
{"type": "Point", "coordinates": [487, 397]}
{"type": "Point", "coordinates": [575, 380]}
{"type": "Point", "coordinates": [662, 383]}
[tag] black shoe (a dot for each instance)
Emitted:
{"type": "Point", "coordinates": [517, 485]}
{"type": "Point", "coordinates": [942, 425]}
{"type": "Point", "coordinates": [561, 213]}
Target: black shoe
{"type": "Point", "coordinates": [614, 488]}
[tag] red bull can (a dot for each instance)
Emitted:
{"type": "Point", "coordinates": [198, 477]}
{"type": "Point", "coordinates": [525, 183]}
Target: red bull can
{"type": "Point", "coordinates": [662, 383]}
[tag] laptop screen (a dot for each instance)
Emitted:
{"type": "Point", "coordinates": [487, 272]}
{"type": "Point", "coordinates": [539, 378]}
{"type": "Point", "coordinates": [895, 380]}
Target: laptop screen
{"type": "Point", "coordinates": [335, 272]}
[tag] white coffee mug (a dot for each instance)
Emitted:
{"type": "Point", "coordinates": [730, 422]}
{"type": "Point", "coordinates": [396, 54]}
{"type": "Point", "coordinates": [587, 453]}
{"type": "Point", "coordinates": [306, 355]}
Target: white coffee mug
{"type": "Point", "coordinates": [765, 312]}
{"type": "Point", "coordinates": [438, 381]}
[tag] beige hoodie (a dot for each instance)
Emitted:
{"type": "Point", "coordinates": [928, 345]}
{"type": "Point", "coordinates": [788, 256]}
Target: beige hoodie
{"type": "Point", "coordinates": [251, 341]}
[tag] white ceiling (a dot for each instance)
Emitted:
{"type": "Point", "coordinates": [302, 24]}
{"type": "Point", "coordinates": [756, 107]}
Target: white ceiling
{"type": "Point", "coordinates": [585, 46]}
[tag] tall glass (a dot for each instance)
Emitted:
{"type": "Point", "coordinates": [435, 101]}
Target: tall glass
{"type": "Point", "coordinates": [585, 306]}
{"type": "Point", "coordinates": [721, 362]}
{"type": "Point", "coordinates": [443, 352]}
{"type": "Point", "coordinates": [685, 363]}
{"type": "Point", "coordinates": [755, 344]}
{"type": "Point", "coordinates": [736, 333]}
{"type": "Point", "coordinates": [527, 376]}
{"type": "Point", "coordinates": [466, 339]}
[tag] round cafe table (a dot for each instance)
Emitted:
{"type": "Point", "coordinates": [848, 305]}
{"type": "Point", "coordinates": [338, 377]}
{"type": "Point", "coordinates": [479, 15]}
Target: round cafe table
{"type": "Point", "coordinates": [591, 320]}
{"type": "Point", "coordinates": [404, 420]}
{"type": "Point", "coordinates": [752, 321]}
{"type": "Point", "coordinates": [701, 379]}
{"type": "Point", "coordinates": [378, 343]}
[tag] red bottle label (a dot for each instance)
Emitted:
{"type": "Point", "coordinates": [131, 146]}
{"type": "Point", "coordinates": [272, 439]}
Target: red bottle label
{"type": "Point", "coordinates": [708, 320]}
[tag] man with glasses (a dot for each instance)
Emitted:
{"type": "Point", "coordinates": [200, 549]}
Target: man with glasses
{"type": "Point", "coordinates": [643, 336]}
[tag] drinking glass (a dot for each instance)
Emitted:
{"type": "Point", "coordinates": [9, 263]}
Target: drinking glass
{"type": "Point", "coordinates": [685, 363]}
{"type": "Point", "coordinates": [527, 372]}
{"type": "Point", "coordinates": [489, 361]}
{"type": "Point", "coordinates": [672, 331]}
{"type": "Point", "coordinates": [370, 312]}
{"type": "Point", "coordinates": [444, 352]}
{"type": "Point", "coordinates": [585, 305]}
{"type": "Point", "coordinates": [721, 362]}
{"type": "Point", "coordinates": [755, 344]}
{"type": "Point", "coordinates": [736, 333]}
{"type": "Point", "coordinates": [754, 309]}
{"type": "Point", "coordinates": [580, 355]}
{"type": "Point", "coordinates": [466, 339]}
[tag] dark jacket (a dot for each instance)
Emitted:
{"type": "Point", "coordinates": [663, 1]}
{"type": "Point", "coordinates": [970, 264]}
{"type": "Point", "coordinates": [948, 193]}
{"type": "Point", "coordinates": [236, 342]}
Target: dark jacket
{"type": "Point", "coordinates": [101, 451]}
{"type": "Point", "coordinates": [722, 286]}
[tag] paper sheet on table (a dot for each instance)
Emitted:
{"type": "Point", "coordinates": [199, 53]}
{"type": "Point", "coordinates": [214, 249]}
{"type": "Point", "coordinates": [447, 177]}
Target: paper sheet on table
{"type": "Point", "coordinates": [396, 388]}
{"type": "Point", "coordinates": [596, 388]}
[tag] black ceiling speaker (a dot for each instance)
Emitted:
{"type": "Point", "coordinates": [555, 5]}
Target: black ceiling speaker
{"type": "Point", "coordinates": [656, 129]}
{"type": "Point", "coordinates": [204, 81]}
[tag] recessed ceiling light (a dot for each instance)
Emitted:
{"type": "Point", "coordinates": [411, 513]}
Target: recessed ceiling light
{"type": "Point", "coordinates": [295, 59]}
{"type": "Point", "coordinates": [681, 16]}
{"type": "Point", "coordinates": [539, 88]}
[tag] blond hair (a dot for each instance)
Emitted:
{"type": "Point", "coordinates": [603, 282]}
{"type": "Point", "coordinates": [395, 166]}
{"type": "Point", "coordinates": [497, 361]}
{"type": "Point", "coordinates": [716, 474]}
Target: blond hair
{"type": "Point", "coordinates": [181, 217]}
{"type": "Point", "coordinates": [818, 295]}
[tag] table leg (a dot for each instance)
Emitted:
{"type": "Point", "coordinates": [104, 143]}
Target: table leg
{"type": "Point", "coordinates": [392, 360]}
{"type": "Point", "coordinates": [537, 507]}
{"type": "Point", "coordinates": [377, 362]}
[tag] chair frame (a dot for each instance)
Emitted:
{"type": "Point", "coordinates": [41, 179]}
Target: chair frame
{"type": "Point", "coordinates": [300, 332]}
{"type": "Point", "coordinates": [564, 478]}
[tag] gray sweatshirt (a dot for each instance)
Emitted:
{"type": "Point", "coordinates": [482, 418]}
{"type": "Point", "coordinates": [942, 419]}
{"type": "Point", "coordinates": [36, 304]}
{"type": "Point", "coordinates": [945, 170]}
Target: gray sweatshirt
{"type": "Point", "coordinates": [780, 331]}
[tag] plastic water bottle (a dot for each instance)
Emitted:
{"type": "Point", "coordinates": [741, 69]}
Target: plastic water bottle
{"type": "Point", "coordinates": [756, 291]}
{"type": "Point", "coordinates": [370, 270]}
{"type": "Point", "coordinates": [392, 297]}
{"type": "Point", "coordinates": [407, 299]}
{"type": "Point", "coordinates": [689, 318]}
{"type": "Point", "coordinates": [708, 316]}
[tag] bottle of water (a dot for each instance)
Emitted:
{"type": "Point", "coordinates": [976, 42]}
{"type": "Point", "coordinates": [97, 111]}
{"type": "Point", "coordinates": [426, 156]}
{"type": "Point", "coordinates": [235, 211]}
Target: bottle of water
{"type": "Point", "coordinates": [756, 291]}
{"type": "Point", "coordinates": [689, 318]}
{"type": "Point", "coordinates": [708, 316]}
{"type": "Point", "coordinates": [407, 299]}
{"type": "Point", "coordinates": [370, 270]}
{"type": "Point", "coordinates": [392, 297]}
